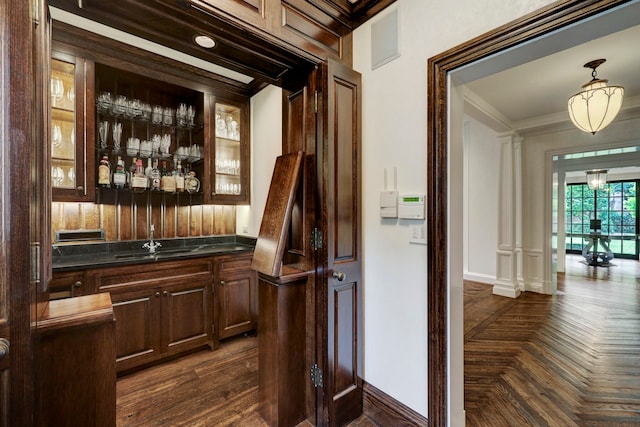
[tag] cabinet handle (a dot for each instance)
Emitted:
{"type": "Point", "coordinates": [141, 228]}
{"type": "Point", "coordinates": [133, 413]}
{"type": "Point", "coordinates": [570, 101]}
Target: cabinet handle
{"type": "Point", "coordinates": [77, 284]}
{"type": "Point", "coordinates": [4, 348]}
{"type": "Point", "coordinates": [157, 294]}
{"type": "Point", "coordinates": [80, 188]}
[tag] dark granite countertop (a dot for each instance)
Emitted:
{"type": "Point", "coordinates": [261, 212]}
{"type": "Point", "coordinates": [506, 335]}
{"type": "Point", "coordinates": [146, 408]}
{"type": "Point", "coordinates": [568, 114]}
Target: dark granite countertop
{"type": "Point", "coordinates": [92, 255]}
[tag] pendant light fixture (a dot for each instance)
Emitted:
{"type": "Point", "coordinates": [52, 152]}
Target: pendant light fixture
{"type": "Point", "coordinates": [596, 179]}
{"type": "Point", "coordinates": [598, 104]}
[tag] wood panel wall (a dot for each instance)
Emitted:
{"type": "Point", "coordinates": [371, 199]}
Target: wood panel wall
{"type": "Point", "coordinates": [131, 221]}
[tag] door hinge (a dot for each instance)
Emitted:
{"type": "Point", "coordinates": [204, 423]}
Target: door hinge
{"type": "Point", "coordinates": [316, 239]}
{"type": "Point", "coordinates": [315, 102]}
{"type": "Point", "coordinates": [35, 262]}
{"type": "Point", "coordinates": [35, 6]}
{"type": "Point", "coordinates": [316, 375]}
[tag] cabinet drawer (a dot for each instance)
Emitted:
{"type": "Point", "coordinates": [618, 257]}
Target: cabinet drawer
{"type": "Point", "coordinates": [233, 263]}
{"type": "Point", "coordinates": [155, 274]}
{"type": "Point", "coordinates": [67, 284]}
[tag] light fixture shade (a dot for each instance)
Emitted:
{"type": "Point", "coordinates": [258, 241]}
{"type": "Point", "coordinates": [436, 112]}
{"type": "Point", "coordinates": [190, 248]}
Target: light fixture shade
{"type": "Point", "coordinates": [595, 107]}
{"type": "Point", "coordinates": [596, 179]}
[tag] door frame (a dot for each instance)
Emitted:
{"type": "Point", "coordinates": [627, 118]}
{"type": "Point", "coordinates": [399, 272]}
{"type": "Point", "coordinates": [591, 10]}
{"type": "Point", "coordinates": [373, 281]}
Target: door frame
{"type": "Point", "coordinates": [24, 27]}
{"type": "Point", "coordinates": [522, 30]}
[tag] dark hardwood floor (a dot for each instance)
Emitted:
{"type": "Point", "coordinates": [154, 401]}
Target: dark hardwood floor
{"type": "Point", "coordinates": [207, 388]}
{"type": "Point", "coordinates": [571, 359]}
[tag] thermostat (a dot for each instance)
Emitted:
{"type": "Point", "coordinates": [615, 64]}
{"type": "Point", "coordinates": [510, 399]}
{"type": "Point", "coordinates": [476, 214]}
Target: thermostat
{"type": "Point", "coordinates": [411, 206]}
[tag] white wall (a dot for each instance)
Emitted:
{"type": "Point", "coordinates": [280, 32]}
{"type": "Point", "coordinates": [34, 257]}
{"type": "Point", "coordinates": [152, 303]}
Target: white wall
{"type": "Point", "coordinates": [266, 145]}
{"type": "Point", "coordinates": [394, 134]}
{"type": "Point", "coordinates": [482, 174]}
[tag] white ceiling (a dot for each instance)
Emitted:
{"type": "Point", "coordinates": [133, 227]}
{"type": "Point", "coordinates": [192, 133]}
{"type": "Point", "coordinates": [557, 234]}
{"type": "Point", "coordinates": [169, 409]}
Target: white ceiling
{"type": "Point", "coordinates": [541, 88]}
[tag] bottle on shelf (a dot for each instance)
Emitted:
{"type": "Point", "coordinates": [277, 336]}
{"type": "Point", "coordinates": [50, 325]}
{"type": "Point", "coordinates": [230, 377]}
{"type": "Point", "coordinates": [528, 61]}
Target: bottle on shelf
{"type": "Point", "coordinates": [155, 176]}
{"type": "Point", "coordinates": [179, 178]}
{"type": "Point", "coordinates": [191, 183]}
{"type": "Point", "coordinates": [168, 183]}
{"type": "Point", "coordinates": [132, 172]}
{"type": "Point", "coordinates": [148, 169]}
{"type": "Point", "coordinates": [104, 173]}
{"type": "Point", "coordinates": [139, 180]}
{"type": "Point", "coordinates": [120, 174]}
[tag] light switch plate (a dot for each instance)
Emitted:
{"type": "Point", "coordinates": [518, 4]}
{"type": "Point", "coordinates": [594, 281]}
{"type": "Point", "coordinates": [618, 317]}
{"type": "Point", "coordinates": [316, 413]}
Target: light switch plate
{"type": "Point", "coordinates": [418, 234]}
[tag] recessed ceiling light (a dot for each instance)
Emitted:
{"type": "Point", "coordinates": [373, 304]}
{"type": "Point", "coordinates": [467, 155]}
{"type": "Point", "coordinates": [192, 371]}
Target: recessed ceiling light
{"type": "Point", "coordinates": [205, 41]}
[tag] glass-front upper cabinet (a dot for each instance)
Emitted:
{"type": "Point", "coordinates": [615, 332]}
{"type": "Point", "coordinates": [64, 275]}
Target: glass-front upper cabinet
{"type": "Point", "coordinates": [230, 169]}
{"type": "Point", "coordinates": [69, 160]}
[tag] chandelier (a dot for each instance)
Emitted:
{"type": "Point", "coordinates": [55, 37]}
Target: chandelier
{"type": "Point", "coordinates": [596, 179]}
{"type": "Point", "coordinates": [597, 104]}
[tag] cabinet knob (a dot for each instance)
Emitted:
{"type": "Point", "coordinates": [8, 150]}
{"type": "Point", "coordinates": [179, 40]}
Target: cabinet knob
{"type": "Point", "coordinates": [222, 282]}
{"type": "Point", "coordinates": [157, 294]}
{"type": "Point", "coordinates": [77, 284]}
{"type": "Point", "coordinates": [4, 348]}
{"type": "Point", "coordinates": [80, 188]}
{"type": "Point", "coordinates": [165, 293]}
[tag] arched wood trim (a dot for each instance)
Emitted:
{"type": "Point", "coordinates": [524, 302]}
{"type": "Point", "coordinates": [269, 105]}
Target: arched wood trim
{"type": "Point", "coordinates": [531, 26]}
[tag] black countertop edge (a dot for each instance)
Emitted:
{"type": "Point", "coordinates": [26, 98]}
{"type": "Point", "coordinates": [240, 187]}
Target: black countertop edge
{"type": "Point", "coordinates": [89, 255]}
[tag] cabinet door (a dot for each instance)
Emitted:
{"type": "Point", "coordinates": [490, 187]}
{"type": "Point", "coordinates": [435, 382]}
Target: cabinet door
{"type": "Point", "coordinates": [72, 164]}
{"type": "Point", "coordinates": [236, 296]}
{"type": "Point", "coordinates": [186, 315]}
{"type": "Point", "coordinates": [137, 316]}
{"type": "Point", "coordinates": [236, 299]}
{"type": "Point", "coordinates": [229, 167]}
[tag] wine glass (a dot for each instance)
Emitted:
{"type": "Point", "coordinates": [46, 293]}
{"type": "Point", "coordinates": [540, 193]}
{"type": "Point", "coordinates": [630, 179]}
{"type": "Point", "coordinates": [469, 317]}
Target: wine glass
{"type": "Point", "coordinates": [56, 135]}
{"type": "Point", "coordinates": [103, 133]}
{"type": "Point", "coordinates": [117, 134]}
{"type": "Point", "coordinates": [57, 90]}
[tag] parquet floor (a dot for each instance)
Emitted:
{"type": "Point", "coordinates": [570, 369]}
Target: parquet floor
{"type": "Point", "coordinates": [571, 359]}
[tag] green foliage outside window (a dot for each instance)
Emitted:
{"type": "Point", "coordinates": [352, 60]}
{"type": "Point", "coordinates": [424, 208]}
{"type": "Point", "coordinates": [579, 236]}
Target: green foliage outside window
{"type": "Point", "coordinates": [615, 206]}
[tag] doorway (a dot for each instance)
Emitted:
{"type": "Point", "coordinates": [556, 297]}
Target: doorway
{"type": "Point", "coordinates": [444, 156]}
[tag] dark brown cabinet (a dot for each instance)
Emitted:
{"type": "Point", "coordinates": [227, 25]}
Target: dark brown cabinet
{"type": "Point", "coordinates": [166, 308]}
{"type": "Point", "coordinates": [229, 170]}
{"type": "Point", "coordinates": [236, 297]}
{"type": "Point", "coordinates": [72, 123]}
{"type": "Point", "coordinates": [161, 309]}
{"type": "Point", "coordinates": [123, 108]}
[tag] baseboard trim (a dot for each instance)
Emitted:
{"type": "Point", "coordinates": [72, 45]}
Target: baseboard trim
{"type": "Point", "coordinates": [384, 410]}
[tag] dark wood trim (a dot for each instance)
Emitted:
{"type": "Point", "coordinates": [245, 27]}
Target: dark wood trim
{"type": "Point", "coordinates": [18, 293]}
{"type": "Point", "coordinates": [94, 47]}
{"type": "Point", "coordinates": [384, 410]}
{"type": "Point", "coordinates": [531, 26]}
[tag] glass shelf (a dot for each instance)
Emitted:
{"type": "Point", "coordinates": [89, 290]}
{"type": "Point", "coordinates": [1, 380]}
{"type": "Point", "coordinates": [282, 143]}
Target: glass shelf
{"type": "Point", "coordinates": [228, 155]}
{"type": "Point", "coordinates": [63, 125]}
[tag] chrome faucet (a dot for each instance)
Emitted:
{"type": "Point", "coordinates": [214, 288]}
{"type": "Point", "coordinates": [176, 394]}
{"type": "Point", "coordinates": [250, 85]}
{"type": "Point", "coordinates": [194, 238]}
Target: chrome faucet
{"type": "Point", "coordinates": [151, 245]}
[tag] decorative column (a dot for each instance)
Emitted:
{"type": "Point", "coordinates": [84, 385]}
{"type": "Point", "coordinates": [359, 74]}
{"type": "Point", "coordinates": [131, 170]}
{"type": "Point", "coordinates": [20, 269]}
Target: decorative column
{"type": "Point", "coordinates": [509, 278]}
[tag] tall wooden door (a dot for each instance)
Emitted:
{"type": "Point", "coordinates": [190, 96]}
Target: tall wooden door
{"type": "Point", "coordinates": [23, 138]}
{"type": "Point", "coordinates": [340, 309]}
